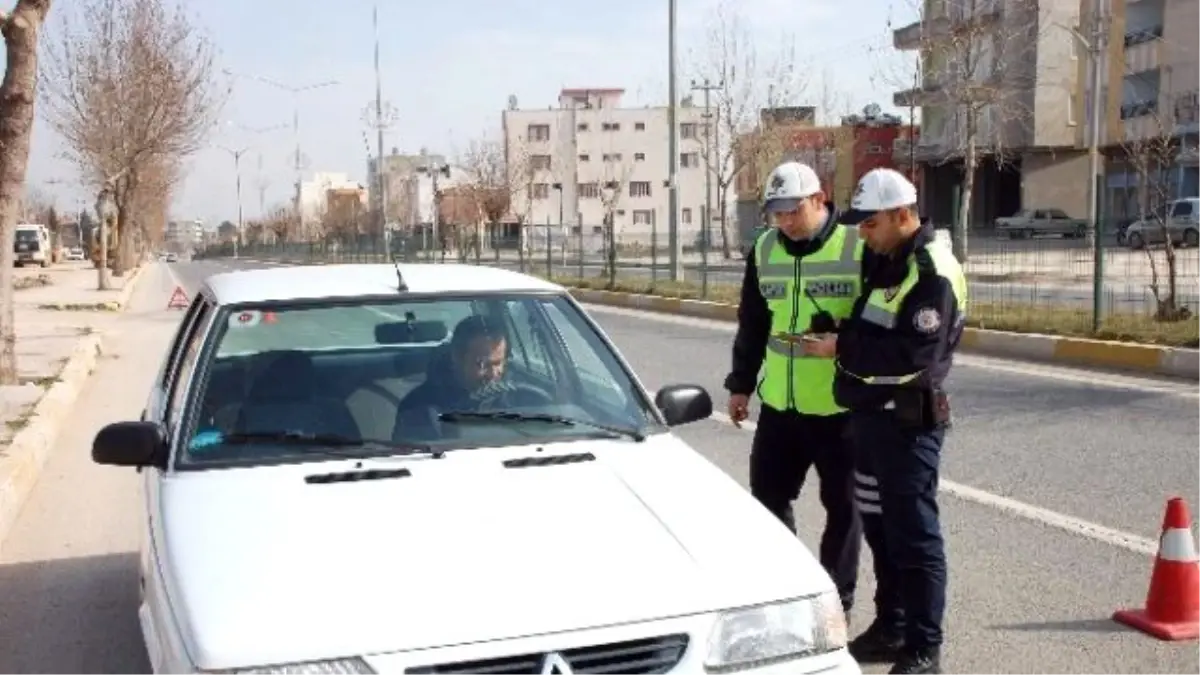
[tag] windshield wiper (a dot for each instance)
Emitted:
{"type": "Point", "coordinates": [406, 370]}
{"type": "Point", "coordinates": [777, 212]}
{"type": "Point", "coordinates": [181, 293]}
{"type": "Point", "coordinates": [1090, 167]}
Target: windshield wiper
{"type": "Point", "coordinates": [463, 415]}
{"type": "Point", "coordinates": [335, 444]}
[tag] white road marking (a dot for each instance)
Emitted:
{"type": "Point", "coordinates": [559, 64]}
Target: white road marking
{"type": "Point", "coordinates": [1037, 514]}
{"type": "Point", "coordinates": [1053, 372]}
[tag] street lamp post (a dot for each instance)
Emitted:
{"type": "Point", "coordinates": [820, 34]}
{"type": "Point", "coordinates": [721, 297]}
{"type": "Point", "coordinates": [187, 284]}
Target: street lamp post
{"type": "Point", "coordinates": [706, 222]}
{"type": "Point", "coordinates": [433, 171]}
{"type": "Point", "coordinates": [1095, 45]}
{"type": "Point", "coordinates": [673, 146]}
{"type": "Point", "coordinates": [237, 171]}
{"type": "Point", "coordinates": [295, 91]}
{"type": "Point", "coordinates": [559, 188]}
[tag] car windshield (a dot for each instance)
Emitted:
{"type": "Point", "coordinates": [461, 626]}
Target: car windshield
{"type": "Point", "coordinates": [439, 373]}
{"type": "Point", "coordinates": [26, 236]}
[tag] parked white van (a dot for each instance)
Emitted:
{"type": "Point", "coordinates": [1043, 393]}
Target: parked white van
{"type": "Point", "coordinates": [31, 244]}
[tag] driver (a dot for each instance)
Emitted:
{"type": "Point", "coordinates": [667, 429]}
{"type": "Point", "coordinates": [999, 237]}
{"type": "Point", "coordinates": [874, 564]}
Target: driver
{"type": "Point", "coordinates": [472, 378]}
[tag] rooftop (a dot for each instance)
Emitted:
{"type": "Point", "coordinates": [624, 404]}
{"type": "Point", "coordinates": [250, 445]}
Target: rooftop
{"type": "Point", "coordinates": [310, 282]}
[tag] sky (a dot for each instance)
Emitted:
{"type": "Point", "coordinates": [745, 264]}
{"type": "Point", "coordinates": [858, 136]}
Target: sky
{"type": "Point", "coordinates": [449, 67]}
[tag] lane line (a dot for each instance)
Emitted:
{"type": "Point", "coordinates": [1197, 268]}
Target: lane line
{"type": "Point", "coordinates": [1037, 514]}
{"type": "Point", "coordinates": [1015, 367]}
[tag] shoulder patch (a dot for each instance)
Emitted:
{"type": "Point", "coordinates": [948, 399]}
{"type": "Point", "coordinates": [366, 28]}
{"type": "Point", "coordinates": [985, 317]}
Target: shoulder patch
{"type": "Point", "coordinates": [927, 320]}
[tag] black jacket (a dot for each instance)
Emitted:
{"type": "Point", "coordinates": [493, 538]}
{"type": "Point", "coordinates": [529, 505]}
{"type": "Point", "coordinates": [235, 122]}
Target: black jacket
{"type": "Point", "coordinates": [913, 345]}
{"type": "Point", "coordinates": [754, 317]}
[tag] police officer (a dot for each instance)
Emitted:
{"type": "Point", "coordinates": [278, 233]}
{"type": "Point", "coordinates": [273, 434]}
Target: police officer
{"type": "Point", "coordinates": [802, 276]}
{"type": "Point", "coordinates": [892, 357]}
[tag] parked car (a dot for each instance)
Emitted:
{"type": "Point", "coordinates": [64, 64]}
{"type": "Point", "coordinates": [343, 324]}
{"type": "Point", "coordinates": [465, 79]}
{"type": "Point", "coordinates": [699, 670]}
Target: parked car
{"type": "Point", "coordinates": [301, 517]}
{"type": "Point", "coordinates": [1180, 218]}
{"type": "Point", "coordinates": [31, 245]}
{"type": "Point", "coordinates": [1037, 222]}
{"type": "Point", "coordinates": [74, 254]}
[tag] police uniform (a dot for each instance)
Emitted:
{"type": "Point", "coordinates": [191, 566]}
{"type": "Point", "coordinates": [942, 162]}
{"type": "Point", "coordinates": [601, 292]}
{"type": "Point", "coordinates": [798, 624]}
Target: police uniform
{"type": "Point", "coordinates": [790, 288]}
{"type": "Point", "coordinates": [893, 355]}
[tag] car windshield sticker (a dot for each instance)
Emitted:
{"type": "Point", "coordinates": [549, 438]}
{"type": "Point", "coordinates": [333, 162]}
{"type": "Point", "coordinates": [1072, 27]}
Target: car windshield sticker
{"type": "Point", "coordinates": [244, 319]}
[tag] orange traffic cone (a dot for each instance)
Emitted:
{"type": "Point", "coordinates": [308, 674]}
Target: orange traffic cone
{"type": "Point", "coordinates": [1173, 604]}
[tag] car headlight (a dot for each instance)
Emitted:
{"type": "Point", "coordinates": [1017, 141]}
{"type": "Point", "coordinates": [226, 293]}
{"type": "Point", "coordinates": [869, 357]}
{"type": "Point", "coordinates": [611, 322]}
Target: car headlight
{"type": "Point", "coordinates": [352, 666]}
{"type": "Point", "coordinates": [757, 636]}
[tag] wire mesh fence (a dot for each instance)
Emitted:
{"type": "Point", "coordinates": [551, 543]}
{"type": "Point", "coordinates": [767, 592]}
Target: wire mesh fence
{"type": "Point", "coordinates": [1044, 285]}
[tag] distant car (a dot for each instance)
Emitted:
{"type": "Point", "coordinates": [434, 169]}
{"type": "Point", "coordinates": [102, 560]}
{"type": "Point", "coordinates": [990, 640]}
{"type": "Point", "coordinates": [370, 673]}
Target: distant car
{"type": "Point", "coordinates": [1029, 223]}
{"type": "Point", "coordinates": [299, 516]}
{"type": "Point", "coordinates": [74, 254]}
{"type": "Point", "coordinates": [1179, 218]}
{"type": "Point", "coordinates": [171, 257]}
{"type": "Point", "coordinates": [31, 245]}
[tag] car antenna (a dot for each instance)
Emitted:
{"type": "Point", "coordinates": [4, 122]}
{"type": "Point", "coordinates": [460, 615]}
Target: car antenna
{"type": "Point", "coordinates": [400, 285]}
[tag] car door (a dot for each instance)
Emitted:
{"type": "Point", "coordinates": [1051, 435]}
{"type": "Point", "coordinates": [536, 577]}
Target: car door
{"type": "Point", "coordinates": [1181, 217]}
{"type": "Point", "coordinates": [164, 645]}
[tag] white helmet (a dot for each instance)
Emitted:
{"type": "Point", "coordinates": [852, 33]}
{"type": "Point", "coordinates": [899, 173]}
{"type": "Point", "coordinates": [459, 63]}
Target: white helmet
{"type": "Point", "coordinates": [787, 185]}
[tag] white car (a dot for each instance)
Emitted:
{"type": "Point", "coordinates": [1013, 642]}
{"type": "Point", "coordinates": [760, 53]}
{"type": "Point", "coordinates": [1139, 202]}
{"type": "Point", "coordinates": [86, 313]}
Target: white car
{"type": "Point", "coordinates": [74, 254]}
{"type": "Point", "coordinates": [297, 521]}
{"type": "Point", "coordinates": [1179, 218]}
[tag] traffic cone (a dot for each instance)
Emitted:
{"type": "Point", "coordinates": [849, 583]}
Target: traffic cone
{"type": "Point", "coordinates": [1173, 604]}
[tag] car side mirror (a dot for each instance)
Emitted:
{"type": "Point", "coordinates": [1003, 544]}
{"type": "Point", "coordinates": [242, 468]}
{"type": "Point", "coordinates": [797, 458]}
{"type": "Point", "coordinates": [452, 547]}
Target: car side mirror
{"type": "Point", "coordinates": [137, 444]}
{"type": "Point", "coordinates": [683, 403]}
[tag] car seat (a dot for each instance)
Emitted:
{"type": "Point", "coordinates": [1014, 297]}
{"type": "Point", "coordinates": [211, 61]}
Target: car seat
{"type": "Point", "coordinates": [287, 397]}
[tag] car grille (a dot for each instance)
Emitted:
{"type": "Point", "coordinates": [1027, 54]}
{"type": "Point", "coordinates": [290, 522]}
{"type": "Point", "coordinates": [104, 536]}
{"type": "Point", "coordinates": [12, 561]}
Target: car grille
{"type": "Point", "coordinates": [633, 657]}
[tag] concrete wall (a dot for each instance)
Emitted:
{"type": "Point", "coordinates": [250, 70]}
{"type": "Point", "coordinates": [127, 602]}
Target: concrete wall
{"type": "Point", "coordinates": [1055, 180]}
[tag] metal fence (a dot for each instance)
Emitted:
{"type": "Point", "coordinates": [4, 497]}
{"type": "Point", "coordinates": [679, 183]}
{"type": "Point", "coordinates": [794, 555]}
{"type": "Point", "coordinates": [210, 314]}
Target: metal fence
{"type": "Point", "coordinates": [1041, 284]}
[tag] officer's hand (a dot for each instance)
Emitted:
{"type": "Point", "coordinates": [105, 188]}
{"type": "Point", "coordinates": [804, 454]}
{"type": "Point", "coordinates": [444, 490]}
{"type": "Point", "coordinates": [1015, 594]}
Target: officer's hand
{"type": "Point", "coordinates": [825, 347]}
{"type": "Point", "coordinates": [739, 409]}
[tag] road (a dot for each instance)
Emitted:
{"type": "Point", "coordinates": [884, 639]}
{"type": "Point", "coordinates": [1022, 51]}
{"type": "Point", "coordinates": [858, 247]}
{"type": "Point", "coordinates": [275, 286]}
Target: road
{"type": "Point", "coordinates": [1055, 485]}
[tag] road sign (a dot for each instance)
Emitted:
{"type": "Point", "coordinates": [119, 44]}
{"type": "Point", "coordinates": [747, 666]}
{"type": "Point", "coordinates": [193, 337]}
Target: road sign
{"type": "Point", "coordinates": [179, 299]}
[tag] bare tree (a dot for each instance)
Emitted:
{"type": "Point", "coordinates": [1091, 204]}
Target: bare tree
{"type": "Point", "coordinates": [613, 187]}
{"type": "Point", "coordinates": [495, 174]}
{"type": "Point", "coordinates": [746, 85]}
{"type": "Point", "coordinates": [979, 65]}
{"type": "Point", "coordinates": [21, 28]}
{"type": "Point", "coordinates": [129, 84]}
{"type": "Point", "coordinates": [1150, 149]}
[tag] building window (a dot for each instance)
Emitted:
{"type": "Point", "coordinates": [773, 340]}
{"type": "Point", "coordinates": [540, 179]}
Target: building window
{"type": "Point", "coordinates": [639, 126]}
{"type": "Point", "coordinates": [585, 158]}
{"type": "Point", "coordinates": [875, 149]}
{"type": "Point", "coordinates": [539, 162]}
{"type": "Point", "coordinates": [597, 229]}
{"type": "Point", "coordinates": [639, 188]}
{"type": "Point", "coordinates": [582, 126]}
{"type": "Point", "coordinates": [588, 190]}
{"type": "Point", "coordinates": [621, 212]}
{"type": "Point", "coordinates": [687, 130]}
{"type": "Point", "coordinates": [539, 191]}
{"type": "Point", "coordinates": [685, 215]}
{"type": "Point", "coordinates": [538, 132]}
{"type": "Point", "coordinates": [639, 156]}
{"type": "Point", "coordinates": [689, 160]}
{"type": "Point", "coordinates": [611, 126]}
{"type": "Point", "coordinates": [614, 157]}
{"type": "Point", "coordinates": [643, 217]}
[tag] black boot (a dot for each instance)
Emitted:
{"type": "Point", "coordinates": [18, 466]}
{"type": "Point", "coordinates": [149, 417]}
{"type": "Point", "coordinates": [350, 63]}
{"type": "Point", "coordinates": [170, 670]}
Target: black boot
{"type": "Point", "coordinates": [923, 660]}
{"type": "Point", "coordinates": [879, 643]}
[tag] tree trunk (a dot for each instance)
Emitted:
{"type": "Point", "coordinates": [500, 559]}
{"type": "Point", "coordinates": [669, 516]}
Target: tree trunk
{"type": "Point", "coordinates": [964, 208]}
{"type": "Point", "coordinates": [20, 30]}
{"type": "Point", "coordinates": [722, 195]}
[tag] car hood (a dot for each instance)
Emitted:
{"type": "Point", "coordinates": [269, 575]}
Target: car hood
{"type": "Point", "coordinates": [267, 568]}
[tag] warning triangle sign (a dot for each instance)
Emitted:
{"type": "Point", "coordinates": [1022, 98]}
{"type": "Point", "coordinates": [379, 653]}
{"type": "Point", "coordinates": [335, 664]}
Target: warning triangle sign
{"type": "Point", "coordinates": [179, 299]}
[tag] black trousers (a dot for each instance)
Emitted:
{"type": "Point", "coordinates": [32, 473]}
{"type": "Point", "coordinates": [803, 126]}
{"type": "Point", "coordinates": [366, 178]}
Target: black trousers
{"type": "Point", "coordinates": [786, 445]}
{"type": "Point", "coordinates": [897, 476]}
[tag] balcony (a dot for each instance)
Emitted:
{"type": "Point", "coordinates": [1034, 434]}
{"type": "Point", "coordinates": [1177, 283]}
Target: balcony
{"type": "Point", "coordinates": [1143, 55]}
{"type": "Point", "coordinates": [908, 37]}
{"type": "Point", "coordinates": [927, 94]}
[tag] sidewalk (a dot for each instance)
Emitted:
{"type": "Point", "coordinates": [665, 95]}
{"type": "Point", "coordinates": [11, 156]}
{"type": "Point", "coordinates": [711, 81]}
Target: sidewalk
{"type": "Point", "coordinates": [58, 329]}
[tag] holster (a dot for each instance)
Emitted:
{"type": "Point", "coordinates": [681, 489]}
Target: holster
{"type": "Point", "coordinates": [922, 409]}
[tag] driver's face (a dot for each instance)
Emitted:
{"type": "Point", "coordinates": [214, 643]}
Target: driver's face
{"type": "Point", "coordinates": [482, 362]}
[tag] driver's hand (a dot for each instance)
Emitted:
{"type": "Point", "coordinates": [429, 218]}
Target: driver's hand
{"type": "Point", "coordinates": [739, 409]}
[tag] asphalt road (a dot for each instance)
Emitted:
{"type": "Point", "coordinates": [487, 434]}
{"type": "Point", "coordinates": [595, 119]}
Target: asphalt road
{"type": "Point", "coordinates": [1055, 484]}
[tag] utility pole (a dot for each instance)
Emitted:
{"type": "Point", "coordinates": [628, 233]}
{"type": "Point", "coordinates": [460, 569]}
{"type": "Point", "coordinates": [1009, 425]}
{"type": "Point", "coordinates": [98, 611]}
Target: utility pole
{"type": "Point", "coordinates": [673, 148]}
{"type": "Point", "coordinates": [237, 170]}
{"type": "Point", "coordinates": [379, 124]}
{"type": "Point", "coordinates": [706, 222]}
{"type": "Point", "coordinates": [1096, 45]}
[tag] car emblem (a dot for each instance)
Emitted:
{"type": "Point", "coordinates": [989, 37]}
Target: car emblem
{"type": "Point", "coordinates": [555, 663]}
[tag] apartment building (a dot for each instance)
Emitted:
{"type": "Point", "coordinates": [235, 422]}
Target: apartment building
{"type": "Point", "coordinates": [409, 196]}
{"type": "Point", "coordinates": [1015, 62]}
{"type": "Point", "coordinates": [589, 153]}
{"type": "Point", "coordinates": [839, 154]}
{"type": "Point", "coordinates": [314, 195]}
{"type": "Point", "coordinates": [1149, 80]}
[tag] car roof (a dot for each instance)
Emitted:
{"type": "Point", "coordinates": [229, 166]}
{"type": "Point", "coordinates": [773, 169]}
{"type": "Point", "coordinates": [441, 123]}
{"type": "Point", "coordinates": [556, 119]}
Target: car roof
{"type": "Point", "coordinates": [312, 282]}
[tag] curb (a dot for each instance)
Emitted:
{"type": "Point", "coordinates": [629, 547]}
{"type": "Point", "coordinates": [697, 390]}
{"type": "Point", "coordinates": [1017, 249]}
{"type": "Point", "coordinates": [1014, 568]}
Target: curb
{"type": "Point", "coordinates": [1127, 356]}
{"type": "Point", "coordinates": [21, 463]}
